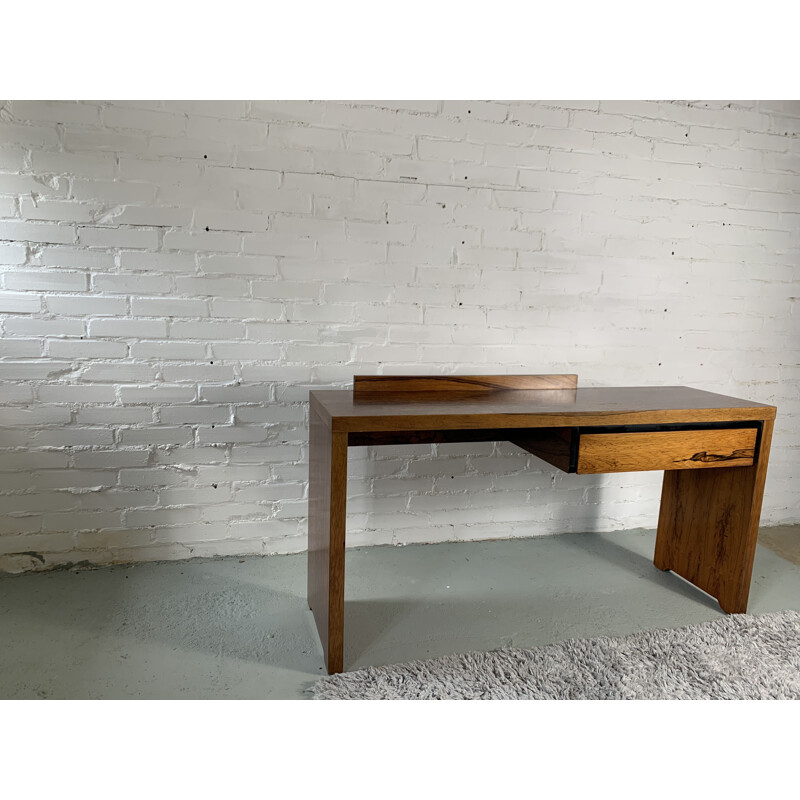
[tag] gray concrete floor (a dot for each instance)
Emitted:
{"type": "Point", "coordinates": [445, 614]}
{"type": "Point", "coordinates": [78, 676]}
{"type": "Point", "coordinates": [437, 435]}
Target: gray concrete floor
{"type": "Point", "coordinates": [240, 628]}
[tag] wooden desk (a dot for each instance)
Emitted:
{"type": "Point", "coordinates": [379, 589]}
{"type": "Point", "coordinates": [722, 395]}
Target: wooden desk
{"type": "Point", "coordinates": [713, 450]}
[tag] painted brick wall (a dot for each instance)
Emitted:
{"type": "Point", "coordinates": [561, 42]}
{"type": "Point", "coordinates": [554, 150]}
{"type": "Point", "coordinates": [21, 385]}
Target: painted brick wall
{"type": "Point", "coordinates": [176, 275]}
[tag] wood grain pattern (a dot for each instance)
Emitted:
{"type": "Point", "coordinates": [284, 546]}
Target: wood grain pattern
{"type": "Point", "coordinates": [709, 515]}
{"type": "Point", "coordinates": [327, 501]}
{"type": "Point", "coordinates": [708, 526]}
{"type": "Point", "coordinates": [667, 450]}
{"type": "Point", "coordinates": [534, 409]}
{"type": "Point", "coordinates": [370, 385]}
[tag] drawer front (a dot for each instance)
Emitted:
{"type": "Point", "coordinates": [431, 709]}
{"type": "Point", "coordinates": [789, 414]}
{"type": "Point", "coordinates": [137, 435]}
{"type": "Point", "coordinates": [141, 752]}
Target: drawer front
{"type": "Point", "coordinates": [633, 452]}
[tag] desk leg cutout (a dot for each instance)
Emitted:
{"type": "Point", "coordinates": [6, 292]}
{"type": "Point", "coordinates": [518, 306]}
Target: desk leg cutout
{"type": "Point", "coordinates": [708, 526]}
{"type": "Point", "coordinates": [327, 501]}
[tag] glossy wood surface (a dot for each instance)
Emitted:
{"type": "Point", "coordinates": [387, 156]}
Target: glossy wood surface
{"type": "Point", "coordinates": [708, 526]}
{"type": "Point", "coordinates": [635, 452]}
{"type": "Point", "coordinates": [550, 408]}
{"type": "Point", "coordinates": [708, 522]}
{"type": "Point", "coordinates": [365, 386]}
{"type": "Point", "coordinates": [327, 500]}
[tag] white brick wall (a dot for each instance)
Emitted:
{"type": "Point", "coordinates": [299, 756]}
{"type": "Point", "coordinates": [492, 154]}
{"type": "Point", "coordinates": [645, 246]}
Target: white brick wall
{"type": "Point", "coordinates": [177, 275]}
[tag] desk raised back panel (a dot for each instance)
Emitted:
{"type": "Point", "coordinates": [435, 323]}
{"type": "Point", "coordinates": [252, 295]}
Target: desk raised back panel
{"type": "Point", "coordinates": [447, 386]}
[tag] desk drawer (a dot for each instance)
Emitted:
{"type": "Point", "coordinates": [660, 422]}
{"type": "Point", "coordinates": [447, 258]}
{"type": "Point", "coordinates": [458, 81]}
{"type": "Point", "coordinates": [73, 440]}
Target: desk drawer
{"type": "Point", "coordinates": [657, 450]}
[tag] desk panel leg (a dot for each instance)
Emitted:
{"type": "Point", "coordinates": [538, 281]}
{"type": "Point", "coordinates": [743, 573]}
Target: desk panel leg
{"type": "Point", "coordinates": [708, 526]}
{"type": "Point", "coordinates": [327, 500]}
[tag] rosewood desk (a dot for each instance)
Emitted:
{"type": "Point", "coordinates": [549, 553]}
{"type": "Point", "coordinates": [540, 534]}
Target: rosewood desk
{"type": "Point", "coordinates": [713, 451]}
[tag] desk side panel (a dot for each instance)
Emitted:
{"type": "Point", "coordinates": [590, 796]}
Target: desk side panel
{"type": "Point", "coordinates": [326, 536]}
{"type": "Point", "coordinates": [708, 526]}
{"type": "Point", "coordinates": [315, 403]}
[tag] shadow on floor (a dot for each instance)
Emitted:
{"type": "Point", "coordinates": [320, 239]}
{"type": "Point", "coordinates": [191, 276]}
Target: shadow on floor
{"type": "Point", "coordinates": [217, 615]}
{"type": "Point", "coordinates": [629, 559]}
{"type": "Point", "coordinates": [783, 540]}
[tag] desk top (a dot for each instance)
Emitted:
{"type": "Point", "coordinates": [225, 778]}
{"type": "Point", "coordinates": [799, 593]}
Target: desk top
{"type": "Point", "coordinates": [537, 408]}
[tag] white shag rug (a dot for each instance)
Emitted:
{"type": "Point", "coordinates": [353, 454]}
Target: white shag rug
{"type": "Point", "coordinates": [738, 657]}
